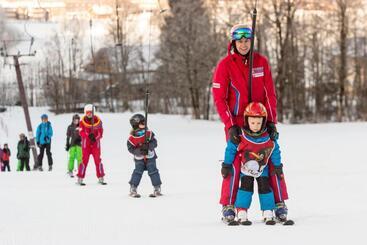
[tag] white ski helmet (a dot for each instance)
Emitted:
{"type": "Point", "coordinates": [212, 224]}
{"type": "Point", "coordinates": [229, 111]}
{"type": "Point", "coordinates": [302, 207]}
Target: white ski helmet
{"type": "Point", "coordinates": [89, 107]}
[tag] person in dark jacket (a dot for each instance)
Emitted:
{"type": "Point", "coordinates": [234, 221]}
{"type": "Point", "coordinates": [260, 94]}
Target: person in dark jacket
{"type": "Point", "coordinates": [43, 138]}
{"type": "Point", "coordinates": [23, 152]}
{"type": "Point", "coordinates": [6, 158]}
{"type": "Point", "coordinates": [142, 147]}
{"type": "Point", "coordinates": [73, 144]}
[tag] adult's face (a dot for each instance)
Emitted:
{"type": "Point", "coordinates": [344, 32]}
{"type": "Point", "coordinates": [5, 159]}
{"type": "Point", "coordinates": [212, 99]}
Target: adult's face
{"type": "Point", "coordinates": [243, 45]}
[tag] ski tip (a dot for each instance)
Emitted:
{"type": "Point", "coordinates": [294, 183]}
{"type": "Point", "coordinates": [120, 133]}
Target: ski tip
{"type": "Point", "coordinates": [245, 223]}
{"type": "Point", "coordinates": [288, 222]}
{"type": "Point", "coordinates": [233, 223]}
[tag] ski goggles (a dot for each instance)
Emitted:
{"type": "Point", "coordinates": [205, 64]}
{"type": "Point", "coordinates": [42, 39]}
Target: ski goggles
{"type": "Point", "coordinates": [242, 33]}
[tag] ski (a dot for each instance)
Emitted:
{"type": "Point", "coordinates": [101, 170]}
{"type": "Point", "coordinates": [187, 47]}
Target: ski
{"type": "Point", "coordinates": [287, 222]}
{"type": "Point", "coordinates": [270, 222]}
{"type": "Point", "coordinates": [81, 184]}
{"type": "Point", "coordinates": [135, 195]}
{"type": "Point", "coordinates": [245, 223]}
{"type": "Point", "coordinates": [155, 195]}
{"type": "Point", "coordinates": [230, 222]}
{"type": "Point", "coordinates": [102, 183]}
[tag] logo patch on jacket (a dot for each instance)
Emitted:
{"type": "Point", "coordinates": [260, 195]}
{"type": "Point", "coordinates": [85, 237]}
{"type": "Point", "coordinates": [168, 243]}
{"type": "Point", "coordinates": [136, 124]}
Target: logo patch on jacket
{"type": "Point", "coordinates": [258, 71]}
{"type": "Point", "coordinates": [216, 85]}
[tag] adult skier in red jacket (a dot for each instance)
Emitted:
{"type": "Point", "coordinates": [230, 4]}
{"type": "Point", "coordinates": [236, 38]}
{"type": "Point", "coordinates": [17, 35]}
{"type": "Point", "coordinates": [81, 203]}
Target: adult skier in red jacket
{"type": "Point", "coordinates": [91, 132]}
{"type": "Point", "coordinates": [230, 92]}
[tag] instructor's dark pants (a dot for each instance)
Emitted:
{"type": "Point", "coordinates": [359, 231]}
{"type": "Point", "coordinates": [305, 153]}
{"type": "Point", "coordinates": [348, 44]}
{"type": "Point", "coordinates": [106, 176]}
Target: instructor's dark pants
{"type": "Point", "coordinates": [44, 147]}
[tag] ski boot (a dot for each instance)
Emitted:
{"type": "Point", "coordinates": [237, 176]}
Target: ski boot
{"type": "Point", "coordinates": [268, 217]}
{"type": "Point", "coordinates": [281, 211]}
{"type": "Point", "coordinates": [229, 215]}
{"type": "Point", "coordinates": [50, 168]}
{"type": "Point", "coordinates": [70, 174]}
{"type": "Point", "coordinates": [101, 181]}
{"type": "Point", "coordinates": [156, 192]}
{"type": "Point", "coordinates": [80, 182]}
{"type": "Point", "coordinates": [242, 217]}
{"type": "Point", "coordinates": [40, 168]}
{"type": "Point", "coordinates": [134, 191]}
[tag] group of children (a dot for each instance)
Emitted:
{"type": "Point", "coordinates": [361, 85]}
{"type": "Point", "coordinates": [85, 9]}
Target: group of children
{"type": "Point", "coordinates": [83, 137]}
{"type": "Point", "coordinates": [22, 155]}
{"type": "Point", "coordinates": [254, 150]}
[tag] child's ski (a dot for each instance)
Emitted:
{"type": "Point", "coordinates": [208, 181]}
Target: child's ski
{"type": "Point", "coordinates": [135, 195]}
{"type": "Point", "coordinates": [230, 222]}
{"type": "Point", "coordinates": [287, 222]}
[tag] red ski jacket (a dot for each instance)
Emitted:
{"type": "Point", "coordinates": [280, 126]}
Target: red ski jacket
{"type": "Point", "coordinates": [230, 88]}
{"type": "Point", "coordinates": [86, 129]}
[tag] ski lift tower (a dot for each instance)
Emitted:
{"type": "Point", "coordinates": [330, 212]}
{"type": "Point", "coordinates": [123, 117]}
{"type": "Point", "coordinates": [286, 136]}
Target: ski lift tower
{"type": "Point", "coordinates": [16, 55]}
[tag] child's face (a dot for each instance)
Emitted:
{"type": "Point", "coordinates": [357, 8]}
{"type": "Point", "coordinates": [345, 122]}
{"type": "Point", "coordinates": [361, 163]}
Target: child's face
{"type": "Point", "coordinates": [255, 123]}
{"type": "Point", "coordinates": [142, 126]}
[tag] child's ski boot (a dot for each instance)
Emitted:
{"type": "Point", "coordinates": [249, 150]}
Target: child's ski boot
{"type": "Point", "coordinates": [229, 215]}
{"type": "Point", "coordinates": [268, 217]}
{"type": "Point", "coordinates": [156, 192]}
{"type": "Point", "coordinates": [70, 174]}
{"type": "Point", "coordinates": [242, 217]}
{"type": "Point", "coordinates": [134, 192]}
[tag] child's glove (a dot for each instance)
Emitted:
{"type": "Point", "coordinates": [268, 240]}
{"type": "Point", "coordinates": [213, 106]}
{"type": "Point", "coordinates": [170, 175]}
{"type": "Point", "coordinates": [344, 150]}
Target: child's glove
{"type": "Point", "coordinates": [234, 133]}
{"type": "Point", "coordinates": [226, 170]}
{"type": "Point", "coordinates": [278, 171]}
{"type": "Point", "coordinates": [272, 131]}
{"type": "Point", "coordinates": [144, 148]}
{"type": "Point", "coordinates": [67, 147]}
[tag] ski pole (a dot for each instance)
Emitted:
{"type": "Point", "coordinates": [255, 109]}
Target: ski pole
{"type": "Point", "coordinates": [254, 13]}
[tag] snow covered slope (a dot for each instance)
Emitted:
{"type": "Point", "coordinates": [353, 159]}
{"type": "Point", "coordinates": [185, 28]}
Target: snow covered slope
{"type": "Point", "coordinates": [324, 164]}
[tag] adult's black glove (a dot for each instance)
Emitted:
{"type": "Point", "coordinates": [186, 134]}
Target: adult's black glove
{"type": "Point", "coordinates": [272, 131]}
{"type": "Point", "coordinates": [144, 148]}
{"type": "Point", "coordinates": [226, 170]}
{"type": "Point", "coordinates": [234, 133]}
{"type": "Point", "coordinates": [278, 171]}
{"type": "Point", "coordinates": [92, 137]}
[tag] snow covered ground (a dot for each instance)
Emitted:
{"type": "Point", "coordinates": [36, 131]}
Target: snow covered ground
{"type": "Point", "coordinates": [324, 165]}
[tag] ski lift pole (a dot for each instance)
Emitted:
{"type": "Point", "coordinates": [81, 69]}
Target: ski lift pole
{"type": "Point", "coordinates": [25, 109]}
{"type": "Point", "coordinates": [253, 28]}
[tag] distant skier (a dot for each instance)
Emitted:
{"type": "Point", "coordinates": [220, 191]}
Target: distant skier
{"type": "Point", "coordinates": [23, 153]}
{"type": "Point", "coordinates": [230, 94]}
{"type": "Point", "coordinates": [43, 139]}
{"type": "Point", "coordinates": [255, 149]}
{"type": "Point", "coordinates": [91, 132]}
{"type": "Point", "coordinates": [73, 144]}
{"type": "Point", "coordinates": [6, 158]}
{"type": "Point", "coordinates": [144, 156]}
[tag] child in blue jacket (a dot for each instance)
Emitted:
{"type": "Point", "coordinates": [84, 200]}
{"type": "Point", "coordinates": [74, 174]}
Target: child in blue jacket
{"type": "Point", "coordinates": [255, 150]}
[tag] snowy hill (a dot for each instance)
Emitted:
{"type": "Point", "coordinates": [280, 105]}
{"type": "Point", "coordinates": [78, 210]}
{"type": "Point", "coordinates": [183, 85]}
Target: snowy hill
{"type": "Point", "coordinates": [324, 166]}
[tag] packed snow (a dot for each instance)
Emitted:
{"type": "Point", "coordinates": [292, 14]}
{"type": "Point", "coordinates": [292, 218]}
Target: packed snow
{"type": "Point", "coordinates": [324, 167]}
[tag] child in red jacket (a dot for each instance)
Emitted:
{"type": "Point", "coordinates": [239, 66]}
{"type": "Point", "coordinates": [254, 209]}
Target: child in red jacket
{"type": "Point", "coordinates": [142, 144]}
{"type": "Point", "coordinates": [6, 158]}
